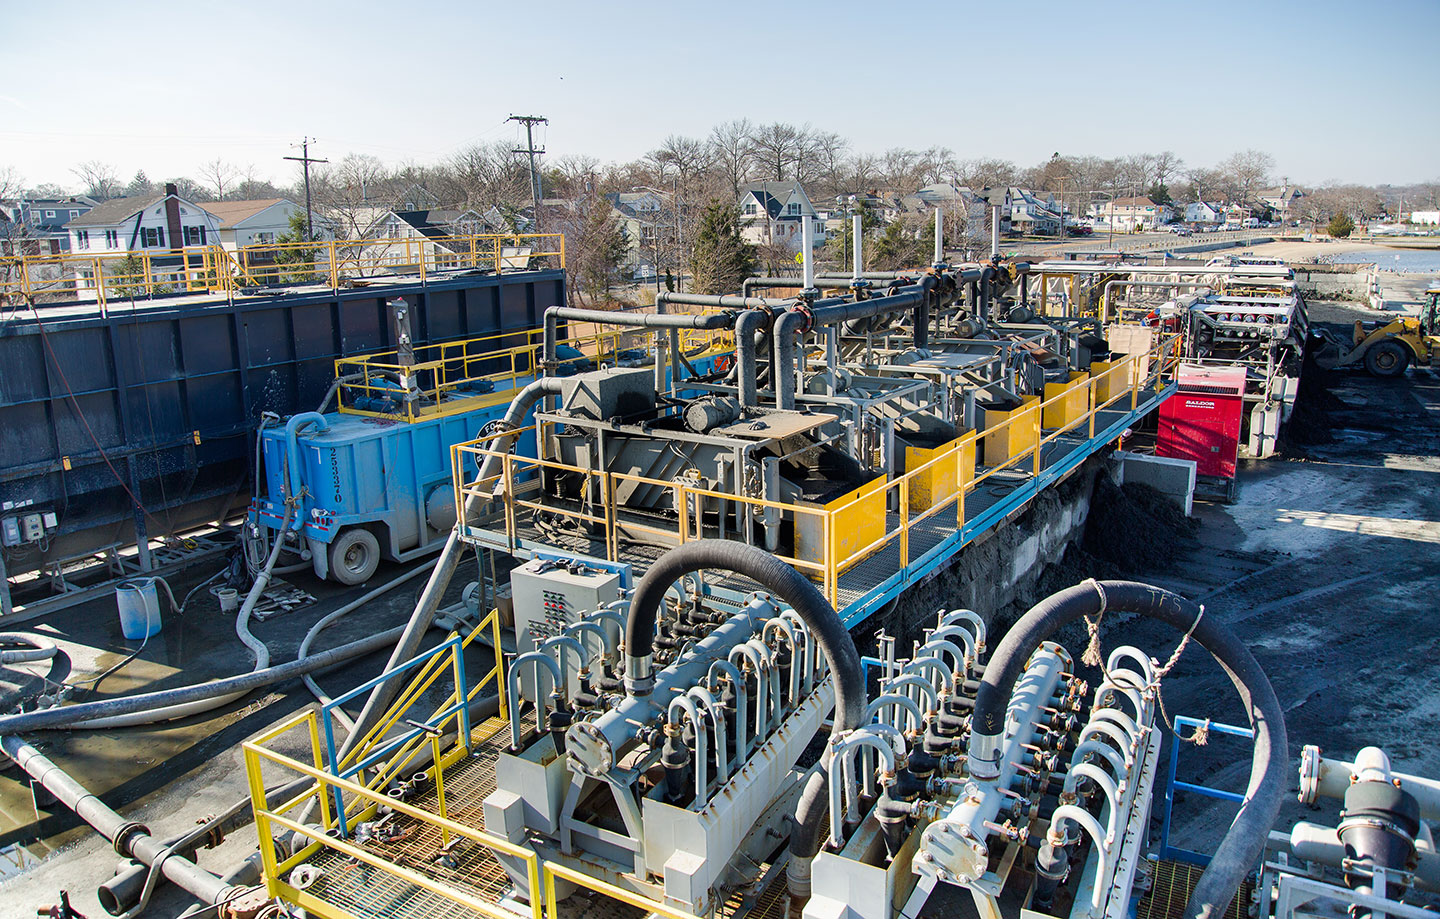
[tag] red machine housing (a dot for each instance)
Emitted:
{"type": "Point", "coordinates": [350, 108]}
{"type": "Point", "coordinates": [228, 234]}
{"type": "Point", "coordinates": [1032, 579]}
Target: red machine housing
{"type": "Point", "coordinates": [1201, 422]}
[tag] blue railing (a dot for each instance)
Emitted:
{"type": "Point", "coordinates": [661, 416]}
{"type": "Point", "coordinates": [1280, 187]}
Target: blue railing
{"type": "Point", "coordinates": [382, 749]}
{"type": "Point", "coordinates": [1175, 853]}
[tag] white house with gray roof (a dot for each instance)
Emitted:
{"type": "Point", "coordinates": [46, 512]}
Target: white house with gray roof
{"type": "Point", "coordinates": [158, 224]}
{"type": "Point", "coordinates": [770, 214]}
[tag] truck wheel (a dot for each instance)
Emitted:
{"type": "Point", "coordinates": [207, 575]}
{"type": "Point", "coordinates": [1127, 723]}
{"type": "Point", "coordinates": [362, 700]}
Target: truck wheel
{"type": "Point", "coordinates": [354, 556]}
{"type": "Point", "coordinates": [1387, 359]}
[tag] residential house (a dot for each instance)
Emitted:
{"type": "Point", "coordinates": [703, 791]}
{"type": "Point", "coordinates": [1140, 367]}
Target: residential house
{"type": "Point", "coordinates": [770, 214]}
{"type": "Point", "coordinates": [1031, 215]}
{"type": "Point", "coordinates": [403, 238]}
{"type": "Point", "coordinates": [1130, 214]}
{"type": "Point", "coordinates": [245, 223]}
{"type": "Point", "coordinates": [159, 224]}
{"type": "Point", "coordinates": [1425, 218]}
{"type": "Point", "coordinates": [648, 221]}
{"type": "Point", "coordinates": [960, 199]}
{"type": "Point", "coordinates": [1282, 201]}
{"type": "Point", "coordinates": [41, 222]}
{"type": "Point", "coordinates": [1203, 212]}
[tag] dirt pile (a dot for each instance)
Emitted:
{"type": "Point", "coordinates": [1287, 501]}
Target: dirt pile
{"type": "Point", "coordinates": [1311, 420]}
{"type": "Point", "coordinates": [1135, 527]}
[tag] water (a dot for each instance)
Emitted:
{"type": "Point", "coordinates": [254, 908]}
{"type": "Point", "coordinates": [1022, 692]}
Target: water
{"type": "Point", "coordinates": [1423, 260]}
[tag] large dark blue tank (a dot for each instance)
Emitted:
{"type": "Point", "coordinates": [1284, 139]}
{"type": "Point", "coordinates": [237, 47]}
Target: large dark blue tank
{"type": "Point", "coordinates": [160, 399]}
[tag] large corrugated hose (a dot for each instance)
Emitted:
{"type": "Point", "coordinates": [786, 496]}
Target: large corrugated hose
{"type": "Point", "coordinates": [1245, 841]}
{"type": "Point", "coordinates": [830, 634]}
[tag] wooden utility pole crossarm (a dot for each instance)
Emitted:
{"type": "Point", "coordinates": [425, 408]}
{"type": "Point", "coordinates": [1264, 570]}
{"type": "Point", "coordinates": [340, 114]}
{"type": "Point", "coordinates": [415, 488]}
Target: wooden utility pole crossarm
{"type": "Point", "coordinates": [530, 121]}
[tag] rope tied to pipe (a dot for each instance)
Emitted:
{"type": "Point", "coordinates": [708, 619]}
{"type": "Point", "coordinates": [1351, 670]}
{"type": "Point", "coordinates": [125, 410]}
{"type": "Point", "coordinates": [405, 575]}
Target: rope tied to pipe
{"type": "Point", "coordinates": [1093, 658]}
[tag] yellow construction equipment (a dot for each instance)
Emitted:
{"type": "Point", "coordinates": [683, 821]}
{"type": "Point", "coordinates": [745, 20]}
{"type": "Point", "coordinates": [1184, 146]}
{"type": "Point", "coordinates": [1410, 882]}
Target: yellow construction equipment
{"type": "Point", "coordinates": [1387, 349]}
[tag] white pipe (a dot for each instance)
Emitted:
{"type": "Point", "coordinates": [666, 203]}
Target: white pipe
{"type": "Point", "coordinates": [955, 617]}
{"type": "Point", "coordinates": [1107, 752]}
{"type": "Point", "coordinates": [1083, 818]}
{"type": "Point", "coordinates": [958, 656]}
{"type": "Point", "coordinates": [1112, 731]}
{"type": "Point", "coordinates": [920, 683]}
{"type": "Point", "coordinates": [810, 677]}
{"type": "Point", "coordinates": [686, 705]}
{"type": "Point", "coordinates": [590, 626]}
{"type": "Point", "coordinates": [1112, 663]}
{"type": "Point", "coordinates": [742, 739]}
{"type": "Point", "coordinates": [1105, 783]}
{"type": "Point", "coordinates": [844, 753]}
{"type": "Point", "coordinates": [717, 719]}
{"type": "Point", "coordinates": [556, 645]}
{"type": "Point", "coordinates": [857, 245]}
{"type": "Point", "coordinates": [788, 630]}
{"type": "Point", "coordinates": [1126, 723]}
{"type": "Point", "coordinates": [807, 243]}
{"type": "Point", "coordinates": [762, 688]}
{"type": "Point", "coordinates": [895, 701]}
{"type": "Point", "coordinates": [939, 237]}
{"type": "Point", "coordinates": [939, 676]}
{"type": "Point", "coordinates": [536, 659]}
{"type": "Point", "coordinates": [961, 633]}
{"type": "Point", "coordinates": [1125, 692]}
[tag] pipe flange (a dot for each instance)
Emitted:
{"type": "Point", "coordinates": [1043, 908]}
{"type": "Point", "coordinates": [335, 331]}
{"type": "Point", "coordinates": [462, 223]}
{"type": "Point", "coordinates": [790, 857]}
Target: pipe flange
{"type": "Point", "coordinates": [807, 313]}
{"type": "Point", "coordinates": [1310, 768]}
{"type": "Point", "coordinates": [126, 833]}
{"type": "Point", "coordinates": [304, 876]}
{"type": "Point", "coordinates": [495, 428]}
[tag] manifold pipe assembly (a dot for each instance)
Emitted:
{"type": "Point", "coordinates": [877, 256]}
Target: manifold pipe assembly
{"type": "Point", "coordinates": [409, 643]}
{"type": "Point", "coordinates": [830, 312]}
{"type": "Point", "coordinates": [750, 284]}
{"type": "Point", "coordinates": [131, 839]}
{"type": "Point", "coordinates": [826, 629]}
{"type": "Point", "coordinates": [553, 316]}
{"type": "Point", "coordinates": [1245, 840]}
{"type": "Point", "coordinates": [1177, 286]}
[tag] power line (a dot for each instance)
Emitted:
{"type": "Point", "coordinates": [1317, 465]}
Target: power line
{"type": "Point", "coordinates": [305, 159]}
{"type": "Point", "coordinates": [530, 121]}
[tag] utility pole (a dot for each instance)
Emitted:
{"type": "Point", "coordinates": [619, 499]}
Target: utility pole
{"type": "Point", "coordinates": [530, 121]}
{"type": "Point", "coordinates": [305, 160]}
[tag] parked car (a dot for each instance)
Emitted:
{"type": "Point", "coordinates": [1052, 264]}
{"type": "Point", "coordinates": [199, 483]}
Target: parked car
{"type": "Point", "coordinates": [1180, 229]}
{"type": "Point", "coordinates": [1080, 230]}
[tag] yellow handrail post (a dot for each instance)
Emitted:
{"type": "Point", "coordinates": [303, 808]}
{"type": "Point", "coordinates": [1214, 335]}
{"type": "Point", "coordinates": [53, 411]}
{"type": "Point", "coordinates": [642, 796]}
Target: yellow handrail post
{"type": "Point", "coordinates": [499, 663]}
{"type": "Point", "coordinates": [326, 820]}
{"type": "Point", "coordinates": [904, 521]}
{"type": "Point", "coordinates": [440, 784]}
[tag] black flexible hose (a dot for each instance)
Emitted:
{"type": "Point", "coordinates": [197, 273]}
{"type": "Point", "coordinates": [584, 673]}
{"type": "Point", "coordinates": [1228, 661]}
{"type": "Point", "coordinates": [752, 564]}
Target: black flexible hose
{"type": "Point", "coordinates": [819, 617]}
{"type": "Point", "coordinates": [1245, 841]}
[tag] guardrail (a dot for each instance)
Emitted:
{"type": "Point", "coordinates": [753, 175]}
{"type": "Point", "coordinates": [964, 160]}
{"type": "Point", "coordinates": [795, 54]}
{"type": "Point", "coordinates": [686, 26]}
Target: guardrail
{"type": "Point", "coordinates": [124, 275]}
{"type": "Point", "coordinates": [344, 800]}
{"type": "Point", "coordinates": [445, 374]}
{"type": "Point", "coordinates": [844, 532]}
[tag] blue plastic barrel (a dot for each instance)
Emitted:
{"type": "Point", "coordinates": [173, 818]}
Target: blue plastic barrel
{"type": "Point", "coordinates": [139, 604]}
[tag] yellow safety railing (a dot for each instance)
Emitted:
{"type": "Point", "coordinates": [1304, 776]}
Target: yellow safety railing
{"type": "Point", "coordinates": [362, 798]}
{"type": "Point", "coordinates": [400, 759]}
{"type": "Point", "coordinates": [260, 760]}
{"type": "Point", "coordinates": [123, 275]}
{"type": "Point", "coordinates": [934, 487]}
{"type": "Point", "coordinates": [445, 375]}
{"type": "Point", "coordinates": [515, 484]}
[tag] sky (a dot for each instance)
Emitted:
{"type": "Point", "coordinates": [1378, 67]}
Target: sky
{"type": "Point", "coordinates": [1334, 91]}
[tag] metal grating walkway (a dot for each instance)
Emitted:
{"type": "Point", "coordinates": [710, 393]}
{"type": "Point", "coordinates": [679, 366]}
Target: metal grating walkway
{"type": "Point", "coordinates": [1173, 884]}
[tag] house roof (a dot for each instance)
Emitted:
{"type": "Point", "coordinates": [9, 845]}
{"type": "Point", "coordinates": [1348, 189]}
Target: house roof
{"type": "Point", "coordinates": [233, 212]}
{"type": "Point", "coordinates": [773, 196]}
{"type": "Point", "coordinates": [1142, 201]}
{"type": "Point", "coordinates": [114, 211]}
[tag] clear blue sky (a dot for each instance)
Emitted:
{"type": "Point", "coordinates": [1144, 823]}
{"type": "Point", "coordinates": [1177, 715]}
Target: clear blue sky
{"type": "Point", "coordinates": [1332, 90]}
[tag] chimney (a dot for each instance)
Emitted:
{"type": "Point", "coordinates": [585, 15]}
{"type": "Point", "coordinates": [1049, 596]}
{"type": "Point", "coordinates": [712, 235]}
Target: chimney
{"type": "Point", "coordinates": [172, 216]}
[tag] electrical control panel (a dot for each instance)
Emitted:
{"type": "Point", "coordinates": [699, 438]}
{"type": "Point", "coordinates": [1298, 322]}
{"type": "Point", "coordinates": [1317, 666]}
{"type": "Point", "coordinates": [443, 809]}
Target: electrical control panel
{"type": "Point", "coordinates": [552, 594]}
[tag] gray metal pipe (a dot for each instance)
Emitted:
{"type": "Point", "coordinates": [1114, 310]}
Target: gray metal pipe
{"type": "Point", "coordinates": [1177, 286]}
{"type": "Point", "coordinates": [821, 282]}
{"type": "Point", "coordinates": [747, 329]}
{"type": "Point", "coordinates": [554, 314]}
{"type": "Point", "coordinates": [725, 301]}
{"type": "Point", "coordinates": [409, 643]}
{"type": "Point", "coordinates": [786, 328]}
{"type": "Point", "coordinates": [131, 839]}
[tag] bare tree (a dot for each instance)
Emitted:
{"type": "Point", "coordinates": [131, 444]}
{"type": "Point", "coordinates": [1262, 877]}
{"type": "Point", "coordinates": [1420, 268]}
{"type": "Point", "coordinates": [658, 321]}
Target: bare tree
{"type": "Point", "coordinates": [491, 174]}
{"type": "Point", "coordinates": [1246, 172]}
{"type": "Point", "coordinates": [730, 152]}
{"type": "Point", "coordinates": [1166, 165]}
{"type": "Point", "coordinates": [984, 173]}
{"type": "Point", "coordinates": [100, 180]}
{"type": "Point", "coordinates": [219, 175]}
{"type": "Point", "coordinates": [777, 149]}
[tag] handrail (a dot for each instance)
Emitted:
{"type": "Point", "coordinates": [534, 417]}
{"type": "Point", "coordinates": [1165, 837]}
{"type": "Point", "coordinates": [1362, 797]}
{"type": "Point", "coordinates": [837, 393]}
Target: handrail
{"type": "Point", "coordinates": [1162, 356]}
{"type": "Point", "coordinates": [124, 274]}
{"type": "Point", "coordinates": [276, 872]}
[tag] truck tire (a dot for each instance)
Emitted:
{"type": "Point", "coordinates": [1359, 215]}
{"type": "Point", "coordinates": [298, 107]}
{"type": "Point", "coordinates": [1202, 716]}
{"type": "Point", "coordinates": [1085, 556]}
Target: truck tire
{"type": "Point", "coordinates": [1387, 359]}
{"type": "Point", "coordinates": [354, 556]}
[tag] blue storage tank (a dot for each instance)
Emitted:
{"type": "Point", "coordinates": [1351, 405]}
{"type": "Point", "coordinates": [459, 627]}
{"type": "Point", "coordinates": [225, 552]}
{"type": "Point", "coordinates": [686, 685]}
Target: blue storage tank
{"type": "Point", "coordinates": [372, 488]}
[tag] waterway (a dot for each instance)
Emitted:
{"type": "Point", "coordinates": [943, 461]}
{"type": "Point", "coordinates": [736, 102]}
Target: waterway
{"type": "Point", "coordinates": [1422, 260]}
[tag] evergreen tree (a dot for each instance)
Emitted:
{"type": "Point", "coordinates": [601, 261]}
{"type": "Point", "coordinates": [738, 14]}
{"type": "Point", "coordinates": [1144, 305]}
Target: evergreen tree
{"type": "Point", "coordinates": [1340, 226]}
{"type": "Point", "coordinates": [721, 260]}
